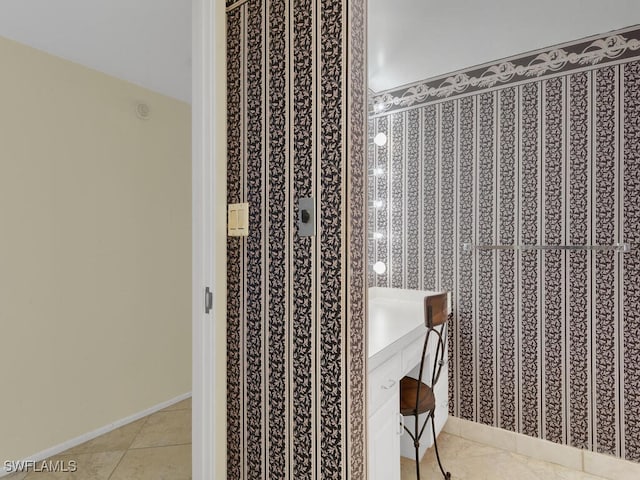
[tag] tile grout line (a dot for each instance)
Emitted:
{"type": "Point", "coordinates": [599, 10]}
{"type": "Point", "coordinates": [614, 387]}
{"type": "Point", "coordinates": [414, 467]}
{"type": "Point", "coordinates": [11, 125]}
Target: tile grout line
{"type": "Point", "coordinates": [124, 454]}
{"type": "Point", "coordinates": [160, 446]}
{"type": "Point", "coordinates": [146, 420]}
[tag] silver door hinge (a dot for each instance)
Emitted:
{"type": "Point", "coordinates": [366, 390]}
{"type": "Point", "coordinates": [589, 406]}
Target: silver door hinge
{"type": "Point", "coordinates": [208, 300]}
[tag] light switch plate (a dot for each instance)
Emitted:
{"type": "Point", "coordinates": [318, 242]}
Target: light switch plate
{"type": "Point", "coordinates": [238, 220]}
{"type": "Point", "coordinates": [306, 217]}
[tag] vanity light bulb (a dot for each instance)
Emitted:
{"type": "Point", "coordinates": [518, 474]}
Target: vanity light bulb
{"type": "Point", "coordinates": [378, 172]}
{"type": "Point", "coordinates": [377, 235]}
{"type": "Point", "coordinates": [379, 268]}
{"type": "Point", "coordinates": [380, 139]}
{"type": "Point", "coordinates": [378, 204]}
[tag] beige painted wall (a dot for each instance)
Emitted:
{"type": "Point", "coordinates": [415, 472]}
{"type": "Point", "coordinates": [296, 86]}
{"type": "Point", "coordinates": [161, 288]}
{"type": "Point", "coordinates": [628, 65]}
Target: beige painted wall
{"type": "Point", "coordinates": [95, 250]}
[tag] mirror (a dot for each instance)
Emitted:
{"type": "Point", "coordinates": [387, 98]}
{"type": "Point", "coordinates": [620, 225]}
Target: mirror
{"type": "Point", "coordinates": [500, 121]}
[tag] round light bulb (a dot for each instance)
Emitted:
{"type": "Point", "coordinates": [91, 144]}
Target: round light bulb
{"type": "Point", "coordinates": [377, 235]}
{"type": "Point", "coordinates": [378, 204]}
{"type": "Point", "coordinates": [378, 172]}
{"type": "Point", "coordinates": [379, 268]}
{"type": "Point", "coordinates": [380, 139]}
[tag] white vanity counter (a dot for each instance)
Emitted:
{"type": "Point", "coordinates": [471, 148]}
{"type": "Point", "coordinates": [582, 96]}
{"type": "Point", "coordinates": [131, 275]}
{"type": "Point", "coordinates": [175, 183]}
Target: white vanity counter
{"type": "Point", "coordinates": [396, 330]}
{"type": "Point", "coordinates": [395, 319]}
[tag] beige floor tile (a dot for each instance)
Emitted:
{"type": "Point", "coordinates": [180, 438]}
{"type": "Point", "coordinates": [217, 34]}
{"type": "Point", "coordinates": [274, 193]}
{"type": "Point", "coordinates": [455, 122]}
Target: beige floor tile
{"type": "Point", "coordinates": [467, 460]}
{"type": "Point", "coordinates": [90, 466]}
{"type": "Point", "coordinates": [457, 447]}
{"type": "Point", "coordinates": [119, 439]}
{"type": "Point", "coordinates": [545, 470]}
{"type": "Point", "coordinates": [15, 476]}
{"type": "Point", "coordinates": [549, 452]}
{"type": "Point", "coordinates": [165, 428]}
{"type": "Point", "coordinates": [161, 463]}
{"type": "Point", "coordinates": [479, 467]}
{"type": "Point", "coordinates": [610, 467]}
{"type": "Point", "coordinates": [183, 405]}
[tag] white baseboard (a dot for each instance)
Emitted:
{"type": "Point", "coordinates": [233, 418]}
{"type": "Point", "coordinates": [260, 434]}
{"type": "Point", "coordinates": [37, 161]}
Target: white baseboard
{"type": "Point", "coordinates": [49, 452]}
{"type": "Point", "coordinates": [575, 458]}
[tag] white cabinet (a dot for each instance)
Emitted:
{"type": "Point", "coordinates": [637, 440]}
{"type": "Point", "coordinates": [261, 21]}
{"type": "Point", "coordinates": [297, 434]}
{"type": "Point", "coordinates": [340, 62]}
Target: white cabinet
{"type": "Point", "coordinates": [441, 393]}
{"type": "Point", "coordinates": [396, 333]}
{"type": "Point", "coordinates": [384, 441]}
{"type": "Point", "coordinates": [384, 381]}
{"type": "Point", "coordinates": [384, 420]}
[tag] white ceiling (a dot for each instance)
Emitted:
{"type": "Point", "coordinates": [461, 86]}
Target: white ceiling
{"type": "Point", "coordinates": [147, 42]}
{"type": "Point", "coordinates": [412, 40]}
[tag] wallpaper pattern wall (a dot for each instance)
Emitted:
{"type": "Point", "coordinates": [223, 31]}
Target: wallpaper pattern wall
{"type": "Point", "coordinates": [296, 335]}
{"type": "Point", "coordinates": [542, 149]}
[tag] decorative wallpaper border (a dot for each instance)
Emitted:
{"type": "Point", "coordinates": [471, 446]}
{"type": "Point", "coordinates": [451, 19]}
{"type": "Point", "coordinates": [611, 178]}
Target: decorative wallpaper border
{"type": "Point", "coordinates": [601, 49]}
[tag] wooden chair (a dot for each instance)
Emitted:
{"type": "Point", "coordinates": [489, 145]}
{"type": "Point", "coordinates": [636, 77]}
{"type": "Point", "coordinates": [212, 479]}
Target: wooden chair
{"type": "Point", "coordinates": [416, 397]}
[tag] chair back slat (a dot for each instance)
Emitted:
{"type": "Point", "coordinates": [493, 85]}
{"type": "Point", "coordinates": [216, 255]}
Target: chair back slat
{"type": "Point", "coordinates": [435, 310]}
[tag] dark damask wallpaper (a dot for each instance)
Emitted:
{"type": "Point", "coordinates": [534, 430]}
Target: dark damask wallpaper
{"type": "Point", "coordinates": [542, 149]}
{"type": "Point", "coordinates": [296, 326]}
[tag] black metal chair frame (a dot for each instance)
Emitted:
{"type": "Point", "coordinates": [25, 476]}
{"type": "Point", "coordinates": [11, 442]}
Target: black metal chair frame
{"type": "Point", "coordinates": [435, 375]}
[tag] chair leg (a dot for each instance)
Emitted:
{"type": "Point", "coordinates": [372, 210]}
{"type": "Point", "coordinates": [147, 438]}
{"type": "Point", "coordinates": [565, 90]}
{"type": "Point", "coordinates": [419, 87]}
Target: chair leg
{"type": "Point", "coordinates": [446, 475]}
{"type": "Point", "coordinates": [416, 444]}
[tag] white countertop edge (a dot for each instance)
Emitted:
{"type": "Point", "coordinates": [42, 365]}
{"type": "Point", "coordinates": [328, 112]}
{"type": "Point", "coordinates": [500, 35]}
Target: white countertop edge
{"type": "Point", "coordinates": [390, 350]}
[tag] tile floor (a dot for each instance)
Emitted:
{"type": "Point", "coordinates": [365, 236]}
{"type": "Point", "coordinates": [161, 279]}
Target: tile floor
{"type": "Point", "coordinates": [157, 447]}
{"type": "Point", "coordinates": [467, 460]}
